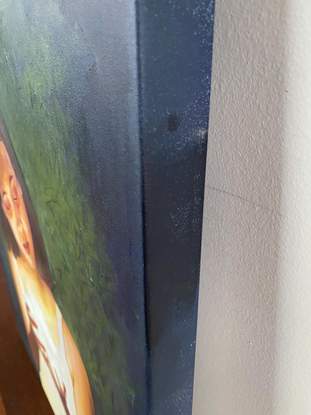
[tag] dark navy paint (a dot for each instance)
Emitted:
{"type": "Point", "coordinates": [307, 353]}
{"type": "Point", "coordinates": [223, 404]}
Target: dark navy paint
{"type": "Point", "coordinates": [175, 53]}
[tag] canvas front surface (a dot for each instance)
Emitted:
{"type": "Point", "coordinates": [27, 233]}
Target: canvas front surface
{"type": "Point", "coordinates": [70, 187]}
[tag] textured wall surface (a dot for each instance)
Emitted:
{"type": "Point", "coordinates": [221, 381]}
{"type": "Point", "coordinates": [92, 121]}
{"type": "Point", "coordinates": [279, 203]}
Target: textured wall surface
{"type": "Point", "coordinates": [254, 335]}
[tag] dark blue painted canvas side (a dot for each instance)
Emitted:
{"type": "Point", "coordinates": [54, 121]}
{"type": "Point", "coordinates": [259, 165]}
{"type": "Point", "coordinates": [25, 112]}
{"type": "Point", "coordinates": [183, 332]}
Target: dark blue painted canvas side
{"type": "Point", "coordinates": [175, 54]}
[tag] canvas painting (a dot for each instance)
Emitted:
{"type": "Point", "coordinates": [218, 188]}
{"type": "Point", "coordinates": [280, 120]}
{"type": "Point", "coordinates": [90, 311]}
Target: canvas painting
{"type": "Point", "coordinates": [71, 249]}
{"type": "Point", "coordinates": [103, 133]}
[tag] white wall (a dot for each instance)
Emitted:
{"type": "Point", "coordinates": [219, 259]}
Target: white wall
{"type": "Point", "coordinates": [254, 332]}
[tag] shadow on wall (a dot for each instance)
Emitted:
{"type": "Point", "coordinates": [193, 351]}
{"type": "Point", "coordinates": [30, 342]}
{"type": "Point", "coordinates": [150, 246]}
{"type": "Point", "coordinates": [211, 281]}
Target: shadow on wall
{"type": "Point", "coordinates": [236, 352]}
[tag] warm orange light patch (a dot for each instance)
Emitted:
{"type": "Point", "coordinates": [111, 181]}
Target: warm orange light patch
{"type": "Point", "coordinates": [13, 205]}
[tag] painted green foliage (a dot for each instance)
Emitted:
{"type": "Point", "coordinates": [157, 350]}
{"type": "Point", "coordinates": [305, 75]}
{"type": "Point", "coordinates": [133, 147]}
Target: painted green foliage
{"type": "Point", "coordinates": [34, 71]}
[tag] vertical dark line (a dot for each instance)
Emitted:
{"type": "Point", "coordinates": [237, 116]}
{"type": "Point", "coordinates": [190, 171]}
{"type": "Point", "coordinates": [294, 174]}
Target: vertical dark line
{"type": "Point", "coordinates": [142, 183]}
